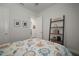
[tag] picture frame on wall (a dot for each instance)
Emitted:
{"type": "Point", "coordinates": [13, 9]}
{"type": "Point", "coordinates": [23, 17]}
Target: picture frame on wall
{"type": "Point", "coordinates": [25, 24]}
{"type": "Point", "coordinates": [17, 23]}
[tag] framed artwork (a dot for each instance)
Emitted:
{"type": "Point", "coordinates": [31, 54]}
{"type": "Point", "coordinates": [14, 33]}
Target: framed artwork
{"type": "Point", "coordinates": [17, 23]}
{"type": "Point", "coordinates": [25, 24]}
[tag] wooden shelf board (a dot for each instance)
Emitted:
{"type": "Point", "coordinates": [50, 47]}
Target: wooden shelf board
{"type": "Point", "coordinates": [57, 27]}
{"type": "Point", "coordinates": [56, 34]}
{"type": "Point", "coordinates": [56, 21]}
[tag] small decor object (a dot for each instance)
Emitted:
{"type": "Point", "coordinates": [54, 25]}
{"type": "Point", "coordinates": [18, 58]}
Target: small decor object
{"type": "Point", "coordinates": [58, 38]}
{"type": "Point", "coordinates": [56, 31]}
{"type": "Point", "coordinates": [54, 38]}
{"type": "Point", "coordinates": [24, 23]}
{"type": "Point", "coordinates": [34, 26]}
{"type": "Point", "coordinates": [17, 23]}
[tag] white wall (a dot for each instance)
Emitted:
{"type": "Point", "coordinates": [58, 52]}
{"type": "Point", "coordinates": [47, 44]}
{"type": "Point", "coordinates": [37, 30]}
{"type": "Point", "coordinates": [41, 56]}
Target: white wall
{"type": "Point", "coordinates": [71, 11]}
{"type": "Point", "coordinates": [4, 24]}
{"type": "Point", "coordinates": [18, 12]}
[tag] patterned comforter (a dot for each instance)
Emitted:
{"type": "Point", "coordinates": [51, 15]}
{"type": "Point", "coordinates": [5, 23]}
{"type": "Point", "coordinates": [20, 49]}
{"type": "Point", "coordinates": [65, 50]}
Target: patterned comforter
{"type": "Point", "coordinates": [34, 47]}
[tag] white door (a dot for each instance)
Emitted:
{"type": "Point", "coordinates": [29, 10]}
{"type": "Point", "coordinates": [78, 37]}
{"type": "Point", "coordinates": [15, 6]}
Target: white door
{"type": "Point", "coordinates": [4, 25]}
{"type": "Point", "coordinates": [37, 31]}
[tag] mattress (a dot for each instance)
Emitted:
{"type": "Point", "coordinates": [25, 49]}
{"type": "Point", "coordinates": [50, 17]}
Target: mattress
{"type": "Point", "coordinates": [34, 47]}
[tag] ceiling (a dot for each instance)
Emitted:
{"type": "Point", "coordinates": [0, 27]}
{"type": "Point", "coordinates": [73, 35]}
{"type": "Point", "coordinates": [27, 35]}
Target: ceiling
{"type": "Point", "coordinates": [37, 7]}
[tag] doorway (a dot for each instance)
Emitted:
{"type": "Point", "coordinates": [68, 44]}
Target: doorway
{"type": "Point", "coordinates": [37, 30]}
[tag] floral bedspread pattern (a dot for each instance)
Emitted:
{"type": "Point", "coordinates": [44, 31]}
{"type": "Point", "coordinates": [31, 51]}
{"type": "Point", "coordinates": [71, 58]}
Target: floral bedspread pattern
{"type": "Point", "coordinates": [34, 47]}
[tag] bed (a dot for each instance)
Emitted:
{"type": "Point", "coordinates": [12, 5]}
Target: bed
{"type": "Point", "coordinates": [34, 47]}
